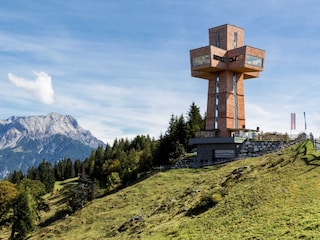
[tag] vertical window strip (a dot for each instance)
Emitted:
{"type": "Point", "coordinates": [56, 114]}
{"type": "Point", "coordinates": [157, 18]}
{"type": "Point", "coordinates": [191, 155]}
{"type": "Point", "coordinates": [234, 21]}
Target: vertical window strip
{"type": "Point", "coordinates": [235, 96]}
{"type": "Point", "coordinates": [218, 40]}
{"type": "Point", "coordinates": [217, 102]}
{"type": "Point", "coordinates": [235, 40]}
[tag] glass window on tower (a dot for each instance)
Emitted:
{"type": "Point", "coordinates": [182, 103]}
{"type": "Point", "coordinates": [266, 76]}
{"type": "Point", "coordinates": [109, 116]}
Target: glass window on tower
{"type": "Point", "coordinates": [216, 116]}
{"type": "Point", "coordinates": [200, 60]}
{"type": "Point", "coordinates": [254, 61]}
{"type": "Point", "coordinates": [235, 89]}
{"type": "Point", "coordinates": [235, 39]}
{"type": "Point", "coordinates": [218, 40]}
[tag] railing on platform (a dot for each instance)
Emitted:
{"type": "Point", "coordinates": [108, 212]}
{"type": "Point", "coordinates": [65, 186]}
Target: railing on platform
{"type": "Point", "coordinates": [256, 136]}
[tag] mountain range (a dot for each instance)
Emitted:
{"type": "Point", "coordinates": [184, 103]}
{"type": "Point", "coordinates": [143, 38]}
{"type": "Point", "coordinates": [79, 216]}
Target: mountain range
{"type": "Point", "coordinates": [26, 141]}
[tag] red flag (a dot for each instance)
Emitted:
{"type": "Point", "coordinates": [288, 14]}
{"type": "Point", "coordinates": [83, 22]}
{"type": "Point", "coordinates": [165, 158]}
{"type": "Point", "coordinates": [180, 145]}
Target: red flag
{"type": "Point", "coordinates": [293, 121]}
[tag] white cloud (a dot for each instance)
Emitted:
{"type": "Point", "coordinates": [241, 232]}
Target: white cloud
{"type": "Point", "coordinates": [41, 87]}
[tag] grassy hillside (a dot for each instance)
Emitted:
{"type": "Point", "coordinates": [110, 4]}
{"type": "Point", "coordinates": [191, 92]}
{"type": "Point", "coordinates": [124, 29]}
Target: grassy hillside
{"type": "Point", "coordinates": [276, 196]}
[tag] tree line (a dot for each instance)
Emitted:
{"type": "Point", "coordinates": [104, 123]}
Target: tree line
{"type": "Point", "coordinates": [107, 167]}
{"type": "Point", "coordinates": [125, 159]}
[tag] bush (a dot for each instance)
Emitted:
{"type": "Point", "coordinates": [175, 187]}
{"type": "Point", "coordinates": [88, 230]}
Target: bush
{"type": "Point", "coordinates": [216, 198]}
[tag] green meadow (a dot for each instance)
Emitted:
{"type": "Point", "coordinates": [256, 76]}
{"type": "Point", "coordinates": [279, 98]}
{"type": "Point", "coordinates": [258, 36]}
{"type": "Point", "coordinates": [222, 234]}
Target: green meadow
{"type": "Point", "coordinates": [276, 196]}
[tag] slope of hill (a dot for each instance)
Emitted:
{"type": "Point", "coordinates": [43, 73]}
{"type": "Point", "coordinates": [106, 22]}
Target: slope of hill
{"type": "Point", "coordinates": [26, 141]}
{"type": "Point", "coordinates": [275, 196]}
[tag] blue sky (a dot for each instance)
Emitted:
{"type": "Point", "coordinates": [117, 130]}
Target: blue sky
{"type": "Point", "coordinates": [121, 67]}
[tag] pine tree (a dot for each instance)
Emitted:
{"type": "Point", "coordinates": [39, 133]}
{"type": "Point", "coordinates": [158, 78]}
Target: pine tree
{"type": "Point", "coordinates": [82, 193]}
{"type": "Point", "coordinates": [46, 175]}
{"type": "Point", "coordinates": [33, 173]}
{"type": "Point", "coordinates": [16, 176]}
{"type": "Point", "coordinates": [195, 123]}
{"type": "Point", "coordinates": [57, 171]}
{"type": "Point", "coordinates": [172, 145]}
{"type": "Point", "coordinates": [69, 169]}
{"type": "Point", "coordinates": [146, 159]}
{"type": "Point", "coordinates": [108, 152]}
{"type": "Point", "coordinates": [162, 152]}
{"type": "Point", "coordinates": [77, 165]}
{"type": "Point", "coordinates": [181, 133]}
{"type": "Point", "coordinates": [98, 163]}
{"type": "Point", "coordinates": [36, 189]}
{"type": "Point", "coordinates": [24, 216]}
{"type": "Point", "coordinates": [88, 165]}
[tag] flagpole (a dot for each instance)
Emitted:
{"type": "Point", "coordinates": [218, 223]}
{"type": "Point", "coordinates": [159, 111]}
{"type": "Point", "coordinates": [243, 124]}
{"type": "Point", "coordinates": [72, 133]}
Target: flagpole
{"type": "Point", "coordinates": [305, 122]}
{"type": "Point", "coordinates": [290, 125]}
{"type": "Point", "coordinates": [293, 123]}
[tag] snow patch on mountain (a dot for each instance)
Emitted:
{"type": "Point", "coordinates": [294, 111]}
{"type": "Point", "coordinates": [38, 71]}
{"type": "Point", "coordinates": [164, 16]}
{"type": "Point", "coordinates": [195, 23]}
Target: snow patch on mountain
{"type": "Point", "coordinates": [15, 129]}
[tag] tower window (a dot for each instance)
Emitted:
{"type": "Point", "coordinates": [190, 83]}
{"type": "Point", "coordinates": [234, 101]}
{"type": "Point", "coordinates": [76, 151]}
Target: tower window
{"type": "Point", "coordinates": [200, 60]}
{"type": "Point", "coordinates": [218, 40]}
{"type": "Point", "coordinates": [235, 40]}
{"type": "Point", "coordinates": [254, 61]}
{"type": "Point", "coordinates": [217, 102]}
{"type": "Point", "coordinates": [235, 96]}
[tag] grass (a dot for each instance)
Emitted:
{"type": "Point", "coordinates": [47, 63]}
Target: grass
{"type": "Point", "coordinates": [275, 196]}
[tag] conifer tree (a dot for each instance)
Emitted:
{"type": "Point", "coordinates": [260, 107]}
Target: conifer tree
{"type": "Point", "coordinates": [172, 145]}
{"type": "Point", "coordinates": [98, 163]}
{"type": "Point", "coordinates": [77, 165]}
{"type": "Point", "coordinates": [195, 122]}
{"type": "Point", "coordinates": [24, 216]}
{"type": "Point", "coordinates": [36, 190]}
{"type": "Point", "coordinates": [46, 175]}
{"type": "Point", "coordinates": [69, 169]}
{"type": "Point", "coordinates": [82, 193]}
{"type": "Point", "coordinates": [146, 159]}
{"type": "Point", "coordinates": [16, 176]}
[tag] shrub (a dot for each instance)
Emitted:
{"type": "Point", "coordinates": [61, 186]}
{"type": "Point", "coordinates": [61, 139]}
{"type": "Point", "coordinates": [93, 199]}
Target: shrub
{"type": "Point", "coordinates": [216, 198]}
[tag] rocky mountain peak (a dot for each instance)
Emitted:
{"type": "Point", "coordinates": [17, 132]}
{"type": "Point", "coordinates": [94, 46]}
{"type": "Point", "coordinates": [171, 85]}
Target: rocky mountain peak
{"type": "Point", "coordinates": [14, 129]}
{"type": "Point", "coordinates": [26, 141]}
